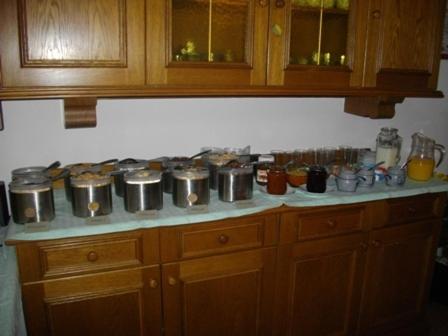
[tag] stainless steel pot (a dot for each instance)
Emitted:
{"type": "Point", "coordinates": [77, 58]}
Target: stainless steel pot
{"type": "Point", "coordinates": [76, 170]}
{"type": "Point", "coordinates": [31, 200]}
{"type": "Point", "coordinates": [143, 190]}
{"type": "Point", "coordinates": [191, 187]}
{"type": "Point", "coordinates": [91, 195]}
{"type": "Point", "coordinates": [235, 183]}
{"type": "Point", "coordinates": [125, 166]}
{"type": "Point", "coordinates": [171, 164]}
{"type": "Point", "coordinates": [214, 162]}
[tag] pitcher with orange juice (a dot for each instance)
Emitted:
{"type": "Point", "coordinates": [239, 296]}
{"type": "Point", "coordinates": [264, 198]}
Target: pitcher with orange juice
{"type": "Point", "coordinates": [422, 158]}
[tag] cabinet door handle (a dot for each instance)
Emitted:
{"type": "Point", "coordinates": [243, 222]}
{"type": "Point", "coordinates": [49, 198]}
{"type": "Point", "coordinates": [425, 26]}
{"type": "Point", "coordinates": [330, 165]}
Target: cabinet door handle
{"type": "Point", "coordinates": [376, 14]}
{"type": "Point", "coordinates": [263, 3]}
{"type": "Point", "coordinates": [331, 223]}
{"type": "Point", "coordinates": [376, 243]}
{"type": "Point", "coordinates": [172, 281]}
{"type": "Point", "coordinates": [279, 3]}
{"type": "Point", "coordinates": [223, 239]}
{"type": "Point", "coordinates": [92, 256]}
{"type": "Point", "coordinates": [153, 283]}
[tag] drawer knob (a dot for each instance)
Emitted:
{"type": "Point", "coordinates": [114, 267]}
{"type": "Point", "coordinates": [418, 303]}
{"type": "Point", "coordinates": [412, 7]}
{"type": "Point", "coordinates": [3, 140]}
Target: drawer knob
{"type": "Point", "coordinates": [263, 3]}
{"type": "Point", "coordinates": [376, 14]}
{"type": "Point", "coordinates": [331, 223]}
{"type": "Point", "coordinates": [172, 281]}
{"type": "Point", "coordinates": [376, 243]}
{"type": "Point", "coordinates": [223, 239]}
{"type": "Point", "coordinates": [153, 283]}
{"type": "Point", "coordinates": [280, 3]}
{"type": "Point", "coordinates": [92, 256]}
{"type": "Point", "coordinates": [412, 210]}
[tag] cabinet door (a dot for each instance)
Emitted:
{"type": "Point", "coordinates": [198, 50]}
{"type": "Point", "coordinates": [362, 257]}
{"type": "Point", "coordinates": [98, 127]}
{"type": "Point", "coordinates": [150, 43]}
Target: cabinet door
{"type": "Point", "coordinates": [319, 285]}
{"type": "Point", "coordinates": [72, 43]}
{"type": "Point", "coordinates": [207, 42]}
{"type": "Point", "coordinates": [221, 296]}
{"type": "Point", "coordinates": [114, 303]}
{"type": "Point", "coordinates": [397, 275]}
{"type": "Point", "coordinates": [310, 43]}
{"type": "Point", "coordinates": [403, 44]}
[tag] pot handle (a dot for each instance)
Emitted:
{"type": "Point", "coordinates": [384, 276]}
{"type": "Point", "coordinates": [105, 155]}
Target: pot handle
{"type": "Point", "coordinates": [441, 149]}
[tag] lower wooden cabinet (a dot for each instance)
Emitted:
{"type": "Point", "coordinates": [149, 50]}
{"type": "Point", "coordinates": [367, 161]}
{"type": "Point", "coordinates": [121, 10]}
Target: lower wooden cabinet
{"type": "Point", "coordinates": [223, 295]}
{"type": "Point", "coordinates": [114, 303]}
{"type": "Point", "coordinates": [319, 286]}
{"type": "Point", "coordinates": [398, 274]}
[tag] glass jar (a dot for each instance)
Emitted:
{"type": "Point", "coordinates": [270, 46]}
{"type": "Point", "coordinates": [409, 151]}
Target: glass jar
{"type": "Point", "coordinates": [276, 180]}
{"type": "Point", "coordinates": [265, 162]}
{"type": "Point", "coordinates": [388, 146]}
{"type": "Point", "coordinates": [317, 179]}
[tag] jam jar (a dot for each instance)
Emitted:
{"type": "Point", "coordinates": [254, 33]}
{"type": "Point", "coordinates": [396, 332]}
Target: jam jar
{"type": "Point", "coordinates": [317, 179]}
{"type": "Point", "coordinates": [276, 180]}
{"type": "Point", "coordinates": [265, 161]}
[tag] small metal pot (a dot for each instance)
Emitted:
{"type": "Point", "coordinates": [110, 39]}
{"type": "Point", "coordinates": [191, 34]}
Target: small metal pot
{"type": "Point", "coordinates": [235, 183]}
{"type": "Point", "coordinates": [76, 170]}
{"type": "Point", "coordinates": [214, 162]}
{"type": "Point", "coordinates": [31, 200]}
{"type": "Point", "coordinates": [177, 162]}
{"type": "Point", "coordinates": [143, 190]}
{"type": "Point", "coordinates": [91, 195]}
{"type": "Point", "coordinates": [125, 166]}
{"type": "Point", "coordinates": [191, 187]}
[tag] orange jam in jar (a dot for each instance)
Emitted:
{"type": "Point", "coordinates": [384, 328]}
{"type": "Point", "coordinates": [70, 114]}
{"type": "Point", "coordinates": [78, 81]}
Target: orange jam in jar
{"type": "Point", "coordinates": [420, 169]}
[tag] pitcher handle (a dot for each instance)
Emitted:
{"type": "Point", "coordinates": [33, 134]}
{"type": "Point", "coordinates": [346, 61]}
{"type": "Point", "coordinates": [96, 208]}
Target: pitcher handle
{"type": "Point", "coordinates": [441, 150]}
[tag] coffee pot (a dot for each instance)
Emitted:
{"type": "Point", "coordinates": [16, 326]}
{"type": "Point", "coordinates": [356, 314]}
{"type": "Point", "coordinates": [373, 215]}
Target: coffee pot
{"type": "Point", "coordinates": [422, 157]}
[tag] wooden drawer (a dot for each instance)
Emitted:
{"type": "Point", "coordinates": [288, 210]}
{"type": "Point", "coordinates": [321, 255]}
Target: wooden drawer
{"type": "Point", "coordinates": [311, 224]}
{"type": "Point", "coordinates": [217, 237]}
{"type": "Point", "coordinates": [64, 257]}
{"type": "Point", "coordinates": [411, 209]}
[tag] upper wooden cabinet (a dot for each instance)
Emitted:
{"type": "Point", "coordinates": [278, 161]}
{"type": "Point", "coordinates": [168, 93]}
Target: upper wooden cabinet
{"type": "Point", "coordinates": [72, 43]}
{"type": "Point", "coordinates": [204, 42]}
{"type": "Point", "coordinates": [402, 44]}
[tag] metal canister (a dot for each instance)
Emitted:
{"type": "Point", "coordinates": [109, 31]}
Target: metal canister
{"type": "Point", "coordinates": [191, 187]}
{"type": "Point", "coordinates": [31, 200]}
{"type": "Point", "coordinates": [91, 195]}
{"type": "Point", "coordinates": [235, 183]}
{"type": "Point", "coordinates": [125, 166]}
{"type": "Point", "coordinates": [214, 162]}
{"type": "Point", "coordinates": [171, 164]}
{"type": "Point", "coordinates": [143, 190]}
{"type": "Point", "coordinates": [74, 170]}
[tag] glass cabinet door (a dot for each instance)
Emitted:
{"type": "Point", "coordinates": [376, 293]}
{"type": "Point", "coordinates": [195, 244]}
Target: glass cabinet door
{"type": "Point", "coordinates": [312, 36]}
{"type": "Point", "coordinates": [212, 41]}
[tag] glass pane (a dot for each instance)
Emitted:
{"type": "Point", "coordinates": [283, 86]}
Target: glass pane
{"type": "Point", "coordinates": [210, 30]}
{"type": "Point", "coordinates": [319, 32]}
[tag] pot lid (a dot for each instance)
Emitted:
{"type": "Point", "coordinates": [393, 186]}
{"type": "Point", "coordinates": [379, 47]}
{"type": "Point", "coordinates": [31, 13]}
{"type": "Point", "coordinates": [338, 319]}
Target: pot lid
{"type": "Point", "coordinates": [220, 159]}
{"type": "Point", "coordinates": [79, 168]}
{"type": "Point", "coordinates": [191, 173]}
{"type": "Point", "coordinates": [131, 164]}
{"type": "Point", "coordinates": [30, 184]}
{"type": "Point", "coordinates": [89, 179]}
{"type": "Point", "coordinates": [26, 171]}
{"type": "Point", "coordinates": [236, 168]}
{"type": "Point", "coordinates": [178, 161]}
{"type": "Point", "coordinates": [144, 176]}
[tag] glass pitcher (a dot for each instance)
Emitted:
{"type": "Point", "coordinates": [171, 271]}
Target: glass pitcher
{"type": "Point", "coordinates": [422, 157]}
{"type": "Point", "coordinates": [388, 146]}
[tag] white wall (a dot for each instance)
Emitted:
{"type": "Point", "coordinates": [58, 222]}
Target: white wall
{"type": "Point", "coordinates": [148, 128]}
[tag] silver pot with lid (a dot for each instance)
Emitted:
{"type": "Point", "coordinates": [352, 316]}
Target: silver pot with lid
{"type": "Point", "coordinates": [143, 190]}
{"type": "Point", "coordinates": [31, 200]}
{"type": "Point", "coordinates": [91, 194]}
{"type": "Point", "coordinates": [174, 163]}
{"type": "Point", "coordinates": [191, 187]}
{"type": "Point", "coordinates": [77, 169]}
{"type": "Point", "coordinates": [34, 171]}
{"type": "Point", "coordinates": [235, 182]}
{"type": "Point", "coordinates": [214, 162]}
{"type": "Point", "coordinates": [125, 166]}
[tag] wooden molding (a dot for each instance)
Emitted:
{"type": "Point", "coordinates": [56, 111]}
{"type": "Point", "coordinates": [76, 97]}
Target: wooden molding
{"type": "Point", "coordinates": [80, 112]}
{"type": "Point", "coordinates": [2, 127]}
{"type": "Point", "coordinates": [382, 107]}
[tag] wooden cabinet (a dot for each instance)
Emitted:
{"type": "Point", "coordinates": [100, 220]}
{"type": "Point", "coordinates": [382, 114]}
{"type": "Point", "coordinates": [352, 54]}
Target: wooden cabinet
{"type": "Point", "coordinates": [319, 286]}
{"type": "Point", "coordinates": [67, 43]}
{"type": "Point", "coordinates": [402, 44]}
{"type": "Point", "coordinates": [223, 295]}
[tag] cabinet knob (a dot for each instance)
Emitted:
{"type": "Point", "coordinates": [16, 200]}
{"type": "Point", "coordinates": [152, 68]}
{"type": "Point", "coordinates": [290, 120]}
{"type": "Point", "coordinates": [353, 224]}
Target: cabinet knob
{"type": "Point", "coordinates": [376, 243]}
{"type": "Point", "coordinates": [92, 256]}
{"type": "Point", "coordinates": [263, 3]}
{"type": "Point", "coordinates": [279, 3]}
{"type": "Point", "coordinates": [364, 245]}
{"type": "Point", "coordinates": [153, 283]}
{"type": "Point", "coordinates": [223, 239]}
{"type": "Point", "coordinates": [376, 14]}
{"type": "Point", "coordinates": [331, 223]}
{"type": "Point", "coordinates": [172, 281]}
{"type": "Point", "coordinates": [412, 210]}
